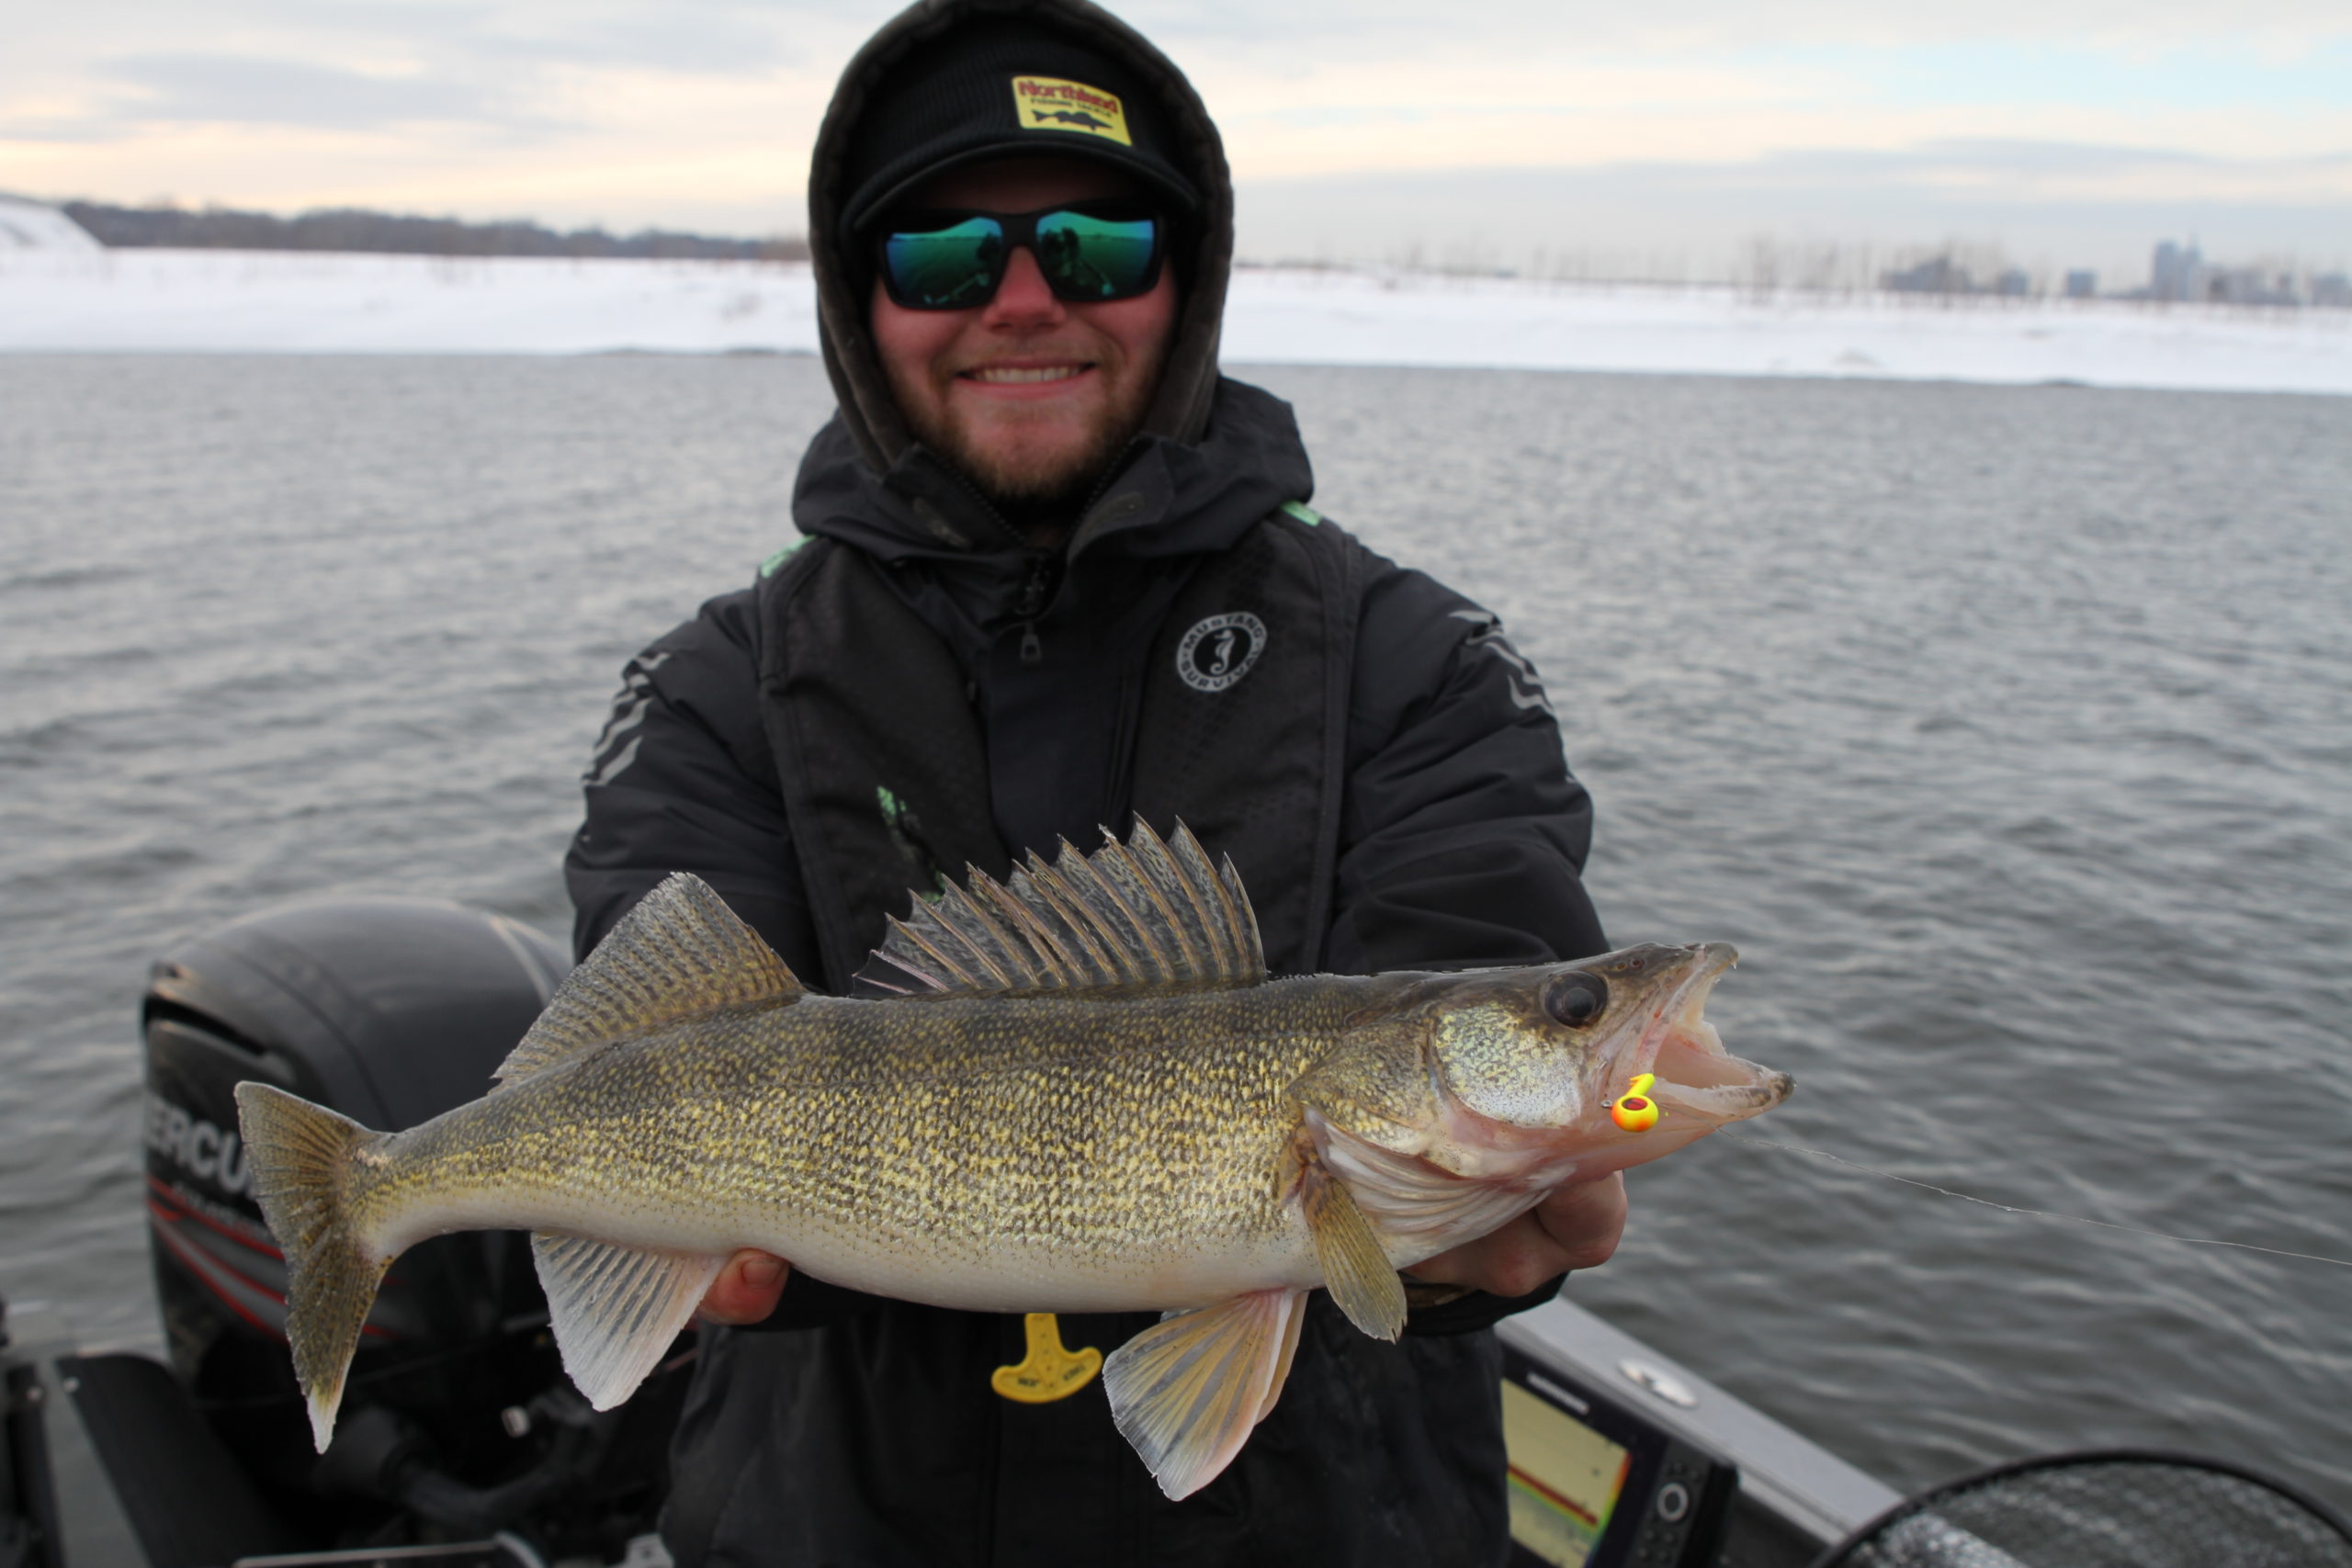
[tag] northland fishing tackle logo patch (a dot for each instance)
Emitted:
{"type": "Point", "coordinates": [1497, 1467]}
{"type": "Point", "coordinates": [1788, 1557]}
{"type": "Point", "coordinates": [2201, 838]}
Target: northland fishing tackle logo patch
{"type": "Point", "coordinates": [1048, 102]}
{"type": "Point", "coordinates": [1218, 651]}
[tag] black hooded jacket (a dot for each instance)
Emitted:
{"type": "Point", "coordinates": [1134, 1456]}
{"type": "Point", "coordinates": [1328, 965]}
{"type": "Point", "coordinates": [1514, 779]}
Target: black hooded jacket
{"type": "Point", "coordinates": [858, 1431]}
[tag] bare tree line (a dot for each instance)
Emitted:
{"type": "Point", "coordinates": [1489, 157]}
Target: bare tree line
{"type": "Point", "coordinates": [359, 229]}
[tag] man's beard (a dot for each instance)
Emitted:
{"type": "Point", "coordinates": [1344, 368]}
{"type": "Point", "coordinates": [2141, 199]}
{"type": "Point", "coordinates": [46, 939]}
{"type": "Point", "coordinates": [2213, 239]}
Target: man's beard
{"type": "Point", "coordinates": [1033, 486]}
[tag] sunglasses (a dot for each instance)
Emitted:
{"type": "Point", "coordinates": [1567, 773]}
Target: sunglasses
{"type": "Point", "coordinates": [1089, 251]}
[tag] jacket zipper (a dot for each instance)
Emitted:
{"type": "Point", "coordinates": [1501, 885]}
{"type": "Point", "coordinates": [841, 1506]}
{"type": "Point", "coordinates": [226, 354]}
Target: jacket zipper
{"type": "Point", "coordinates": [1032, 603]}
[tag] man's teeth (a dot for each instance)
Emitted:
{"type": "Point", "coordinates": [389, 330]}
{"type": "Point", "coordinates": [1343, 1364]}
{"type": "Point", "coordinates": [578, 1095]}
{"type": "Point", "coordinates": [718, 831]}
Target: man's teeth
{"type": "Point", "coordinates": [1012, 375]}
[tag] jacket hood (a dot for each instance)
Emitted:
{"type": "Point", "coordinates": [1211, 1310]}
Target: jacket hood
{"type": "Point", "coordinates": [1169, 498]}
{"type": "Point", "coordinates": [870, 419]}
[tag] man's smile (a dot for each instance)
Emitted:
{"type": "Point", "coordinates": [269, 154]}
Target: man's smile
{"type": "Point", "coordinates": [1022, 375]}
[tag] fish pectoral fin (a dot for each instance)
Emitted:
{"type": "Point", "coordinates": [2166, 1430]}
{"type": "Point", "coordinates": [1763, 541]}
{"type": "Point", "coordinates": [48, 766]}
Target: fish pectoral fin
{"type": "Point", "coordinates": [1186, 1392]}
{"type": "Point", "coordinates": [617, 1310]}
{"type": "Point", "coordinates": [1412, 1198]}
{"type": "Point", "coordinates": [1356, 1269]}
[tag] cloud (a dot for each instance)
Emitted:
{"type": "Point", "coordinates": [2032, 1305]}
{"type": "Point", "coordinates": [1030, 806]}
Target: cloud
{"type": "Point", "coordinates": [233, 89]}
{"type": "Point", "coordinates": [2050, 203]}
{"type": "Point", "coordinates": [1846, 112]}
{"type": "Point", "coordinates": [1310, 33]}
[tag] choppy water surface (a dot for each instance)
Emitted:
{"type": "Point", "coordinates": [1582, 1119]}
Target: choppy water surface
{"type": "Point", "coordinates": [2006, 731]}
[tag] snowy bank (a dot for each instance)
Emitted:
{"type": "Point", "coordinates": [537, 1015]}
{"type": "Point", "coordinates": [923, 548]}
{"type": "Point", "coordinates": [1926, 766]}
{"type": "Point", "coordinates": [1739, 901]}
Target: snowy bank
{"type": "Point", "coordinates": [37, 226]}
{"type": "Point", "coordinates": [235, 302]}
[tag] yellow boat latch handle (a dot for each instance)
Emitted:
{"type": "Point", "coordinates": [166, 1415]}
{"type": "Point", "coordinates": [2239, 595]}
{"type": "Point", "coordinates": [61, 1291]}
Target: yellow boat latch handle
{"type": "Point", "coordinates": [1047, 1372]}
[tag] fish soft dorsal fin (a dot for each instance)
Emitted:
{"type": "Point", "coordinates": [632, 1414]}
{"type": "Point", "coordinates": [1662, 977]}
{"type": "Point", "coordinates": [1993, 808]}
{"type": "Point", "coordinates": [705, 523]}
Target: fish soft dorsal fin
{"type": "Point", "coordinates": [1147, 912]}
{"type": "Point", "coordinates": [682, 952]}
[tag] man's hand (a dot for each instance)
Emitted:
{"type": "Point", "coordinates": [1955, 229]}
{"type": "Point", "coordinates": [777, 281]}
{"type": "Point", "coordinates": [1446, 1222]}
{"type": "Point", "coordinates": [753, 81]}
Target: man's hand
{"type": "Point", "coordinates": [1576, 1227]}
{"type": "Point", "coordinates": [747, 1289]}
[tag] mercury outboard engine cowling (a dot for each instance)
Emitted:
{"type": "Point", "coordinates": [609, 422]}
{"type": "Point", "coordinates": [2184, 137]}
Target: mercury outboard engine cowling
{"type": "Point", "coordinates": [457, 1418]}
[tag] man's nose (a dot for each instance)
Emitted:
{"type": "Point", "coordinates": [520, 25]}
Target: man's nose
{"type": "Point", "coordinates": [1022, 300]}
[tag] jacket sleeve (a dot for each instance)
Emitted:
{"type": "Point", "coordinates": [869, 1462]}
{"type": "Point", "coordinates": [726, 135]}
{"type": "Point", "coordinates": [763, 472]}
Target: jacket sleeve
{"type": "Point", "coordinates": [681, 780]}
{"type": "Point", "coordinates": [1462, 836]}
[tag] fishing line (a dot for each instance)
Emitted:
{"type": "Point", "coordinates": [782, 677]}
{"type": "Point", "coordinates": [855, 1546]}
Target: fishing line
{"type": "Point", "coordinates": [2037, 1214]}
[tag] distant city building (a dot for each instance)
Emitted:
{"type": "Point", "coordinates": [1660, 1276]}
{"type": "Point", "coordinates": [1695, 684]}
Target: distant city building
{"type": "Point", "coordinates": [2177, 272]}
{"type": "Point", "coordinates": [2250, 286]}
{"type": "Point", "coordinates": [2082, 283]}
{"type": "Point", "coordinates": [2013, 284]}
{"type": "Point", "coordinates": [2333, 289]}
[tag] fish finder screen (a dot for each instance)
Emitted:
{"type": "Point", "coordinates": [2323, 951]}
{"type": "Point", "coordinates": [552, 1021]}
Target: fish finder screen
{"type": "Point", "coordinates": [1565, 1477]}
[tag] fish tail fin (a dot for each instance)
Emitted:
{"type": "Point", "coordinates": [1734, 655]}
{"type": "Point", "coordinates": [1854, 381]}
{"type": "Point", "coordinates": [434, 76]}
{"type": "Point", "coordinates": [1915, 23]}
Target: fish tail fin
{"type": "Point", "coordinates": [301, 1155]}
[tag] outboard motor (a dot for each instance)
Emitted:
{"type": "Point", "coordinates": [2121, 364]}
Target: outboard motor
{"type": "Point", "coordinates": [457, 1420]}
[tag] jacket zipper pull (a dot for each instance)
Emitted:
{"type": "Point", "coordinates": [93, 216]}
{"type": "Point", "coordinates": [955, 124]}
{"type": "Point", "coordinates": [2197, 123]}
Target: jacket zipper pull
{"type": "Point", "coordinates": [1033, 652]}
{"type": "Point", "coordinates": [1035, 589]}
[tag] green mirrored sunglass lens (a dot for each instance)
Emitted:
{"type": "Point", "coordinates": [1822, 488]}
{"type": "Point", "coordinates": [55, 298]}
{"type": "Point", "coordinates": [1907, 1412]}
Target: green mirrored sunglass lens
{"type": "Point", "coordinates": [1094, 258]}
{"type": "Point", "coordinates": [946, 268]}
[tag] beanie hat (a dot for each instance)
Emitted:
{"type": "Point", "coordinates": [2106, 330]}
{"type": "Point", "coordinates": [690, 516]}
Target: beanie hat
{"type": "Point", "coordinates": [1001, 87]}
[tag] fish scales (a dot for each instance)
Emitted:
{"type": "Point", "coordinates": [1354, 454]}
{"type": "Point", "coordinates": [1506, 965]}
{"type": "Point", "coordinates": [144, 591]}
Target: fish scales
{"type": "Point", "coordinates": [1204, 1141]}
{"type": "Point", "coordinates": [1013, 1134]}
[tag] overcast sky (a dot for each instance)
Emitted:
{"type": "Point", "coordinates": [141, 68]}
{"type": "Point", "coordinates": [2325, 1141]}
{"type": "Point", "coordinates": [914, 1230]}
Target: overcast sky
{"type": "Point", "coordinates": [1662, 136]}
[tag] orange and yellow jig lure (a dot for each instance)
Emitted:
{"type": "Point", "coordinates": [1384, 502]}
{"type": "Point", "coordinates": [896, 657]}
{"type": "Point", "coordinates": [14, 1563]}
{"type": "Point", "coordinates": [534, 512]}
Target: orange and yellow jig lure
{"type": "Point", "coordinates": [1635, 1110]}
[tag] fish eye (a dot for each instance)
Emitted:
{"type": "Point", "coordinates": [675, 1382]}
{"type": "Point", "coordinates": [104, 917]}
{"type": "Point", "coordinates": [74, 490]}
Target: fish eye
{"type": "Point", "coordinates": [1577, 999]}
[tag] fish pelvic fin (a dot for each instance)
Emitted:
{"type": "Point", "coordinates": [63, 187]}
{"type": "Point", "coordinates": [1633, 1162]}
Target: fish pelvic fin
{"type": "Point", "coordinates": [1187, 1392]}
{"type": "Point", "coordinates": [1147, 912]}
{"type": "Point", "coordinates": [617, 1310]}
{"type": "Point", "coordinates": [681, 954]}
{"type": "Point", "coordinates": [301, 1154]}
{"type": "Point", "coordinates": [1355, 1265]}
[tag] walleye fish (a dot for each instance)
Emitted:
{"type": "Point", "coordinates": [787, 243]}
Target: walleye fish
{"type": "Point", "coordinates": [1090, 1097]}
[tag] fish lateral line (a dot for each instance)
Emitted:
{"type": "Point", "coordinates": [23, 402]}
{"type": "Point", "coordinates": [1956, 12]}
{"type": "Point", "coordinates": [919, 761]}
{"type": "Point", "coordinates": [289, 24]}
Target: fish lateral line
{"type": "Point", "coordinates": [2034, 1213]}
{"type": "Point", "coordinates": [1080, 1056]}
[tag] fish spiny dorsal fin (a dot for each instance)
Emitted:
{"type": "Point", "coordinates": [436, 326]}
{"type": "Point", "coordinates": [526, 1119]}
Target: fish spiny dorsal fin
{"type": "Point", "coordinates": [1075, 890]}
{"type": "Point", "coordinates": [1147, 912]}
{"type": "Point", "coordinates": [682, 952]}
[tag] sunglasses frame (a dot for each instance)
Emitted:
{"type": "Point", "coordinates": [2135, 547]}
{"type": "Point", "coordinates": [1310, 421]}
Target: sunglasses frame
{"type": "Point", "coordinates": [1018, 229]}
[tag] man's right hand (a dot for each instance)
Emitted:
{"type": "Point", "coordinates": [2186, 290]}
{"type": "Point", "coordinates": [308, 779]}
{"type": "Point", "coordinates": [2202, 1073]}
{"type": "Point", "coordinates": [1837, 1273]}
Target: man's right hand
{"type": "Point", "coordinates": [747, 1289]}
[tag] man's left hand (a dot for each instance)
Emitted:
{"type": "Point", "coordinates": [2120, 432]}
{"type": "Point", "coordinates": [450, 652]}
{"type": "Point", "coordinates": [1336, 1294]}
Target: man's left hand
{"type": "Point", "coordinates": [1576, 1227]}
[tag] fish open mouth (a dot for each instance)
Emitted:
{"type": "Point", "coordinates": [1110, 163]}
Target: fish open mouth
{"type": "Point", "coordinates": [1695, 1075]}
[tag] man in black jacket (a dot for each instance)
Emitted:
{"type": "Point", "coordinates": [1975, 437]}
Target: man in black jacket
{"type": "Point", "coordinates": [1055, 572]}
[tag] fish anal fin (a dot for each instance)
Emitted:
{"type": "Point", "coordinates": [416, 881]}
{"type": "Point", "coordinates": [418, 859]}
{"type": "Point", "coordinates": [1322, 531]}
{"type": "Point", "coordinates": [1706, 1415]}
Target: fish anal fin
{"type": "Point", "coordinates": [1356, 1269]}
{"type": "Point", "coordinates": [1148, 911]}
{"type": "Point", "coordinates": [615, 1310]}
{"type": "Point", "coordinates": [680, 953]}
{"type": "Point", "coordinates": [1186, 1392]}
{"type": "Point", "coordinates": [1296, 1321]}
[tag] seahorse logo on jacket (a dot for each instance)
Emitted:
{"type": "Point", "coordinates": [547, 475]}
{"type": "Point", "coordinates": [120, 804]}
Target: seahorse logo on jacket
{"type": "Point", "coordinates": [1219, 650]}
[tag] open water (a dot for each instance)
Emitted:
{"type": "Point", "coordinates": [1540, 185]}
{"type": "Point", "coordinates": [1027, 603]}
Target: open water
{"type": "Point", "coordinates": [2007, 732]}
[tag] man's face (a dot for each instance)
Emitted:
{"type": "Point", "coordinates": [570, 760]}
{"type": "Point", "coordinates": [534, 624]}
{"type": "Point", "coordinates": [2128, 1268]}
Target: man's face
{"type": "Point", "coordinates": [1031, 396]}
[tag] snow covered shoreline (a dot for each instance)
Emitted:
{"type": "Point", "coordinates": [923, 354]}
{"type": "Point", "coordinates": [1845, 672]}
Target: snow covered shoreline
{"type": "Point", "coordinates": [297, 302]}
